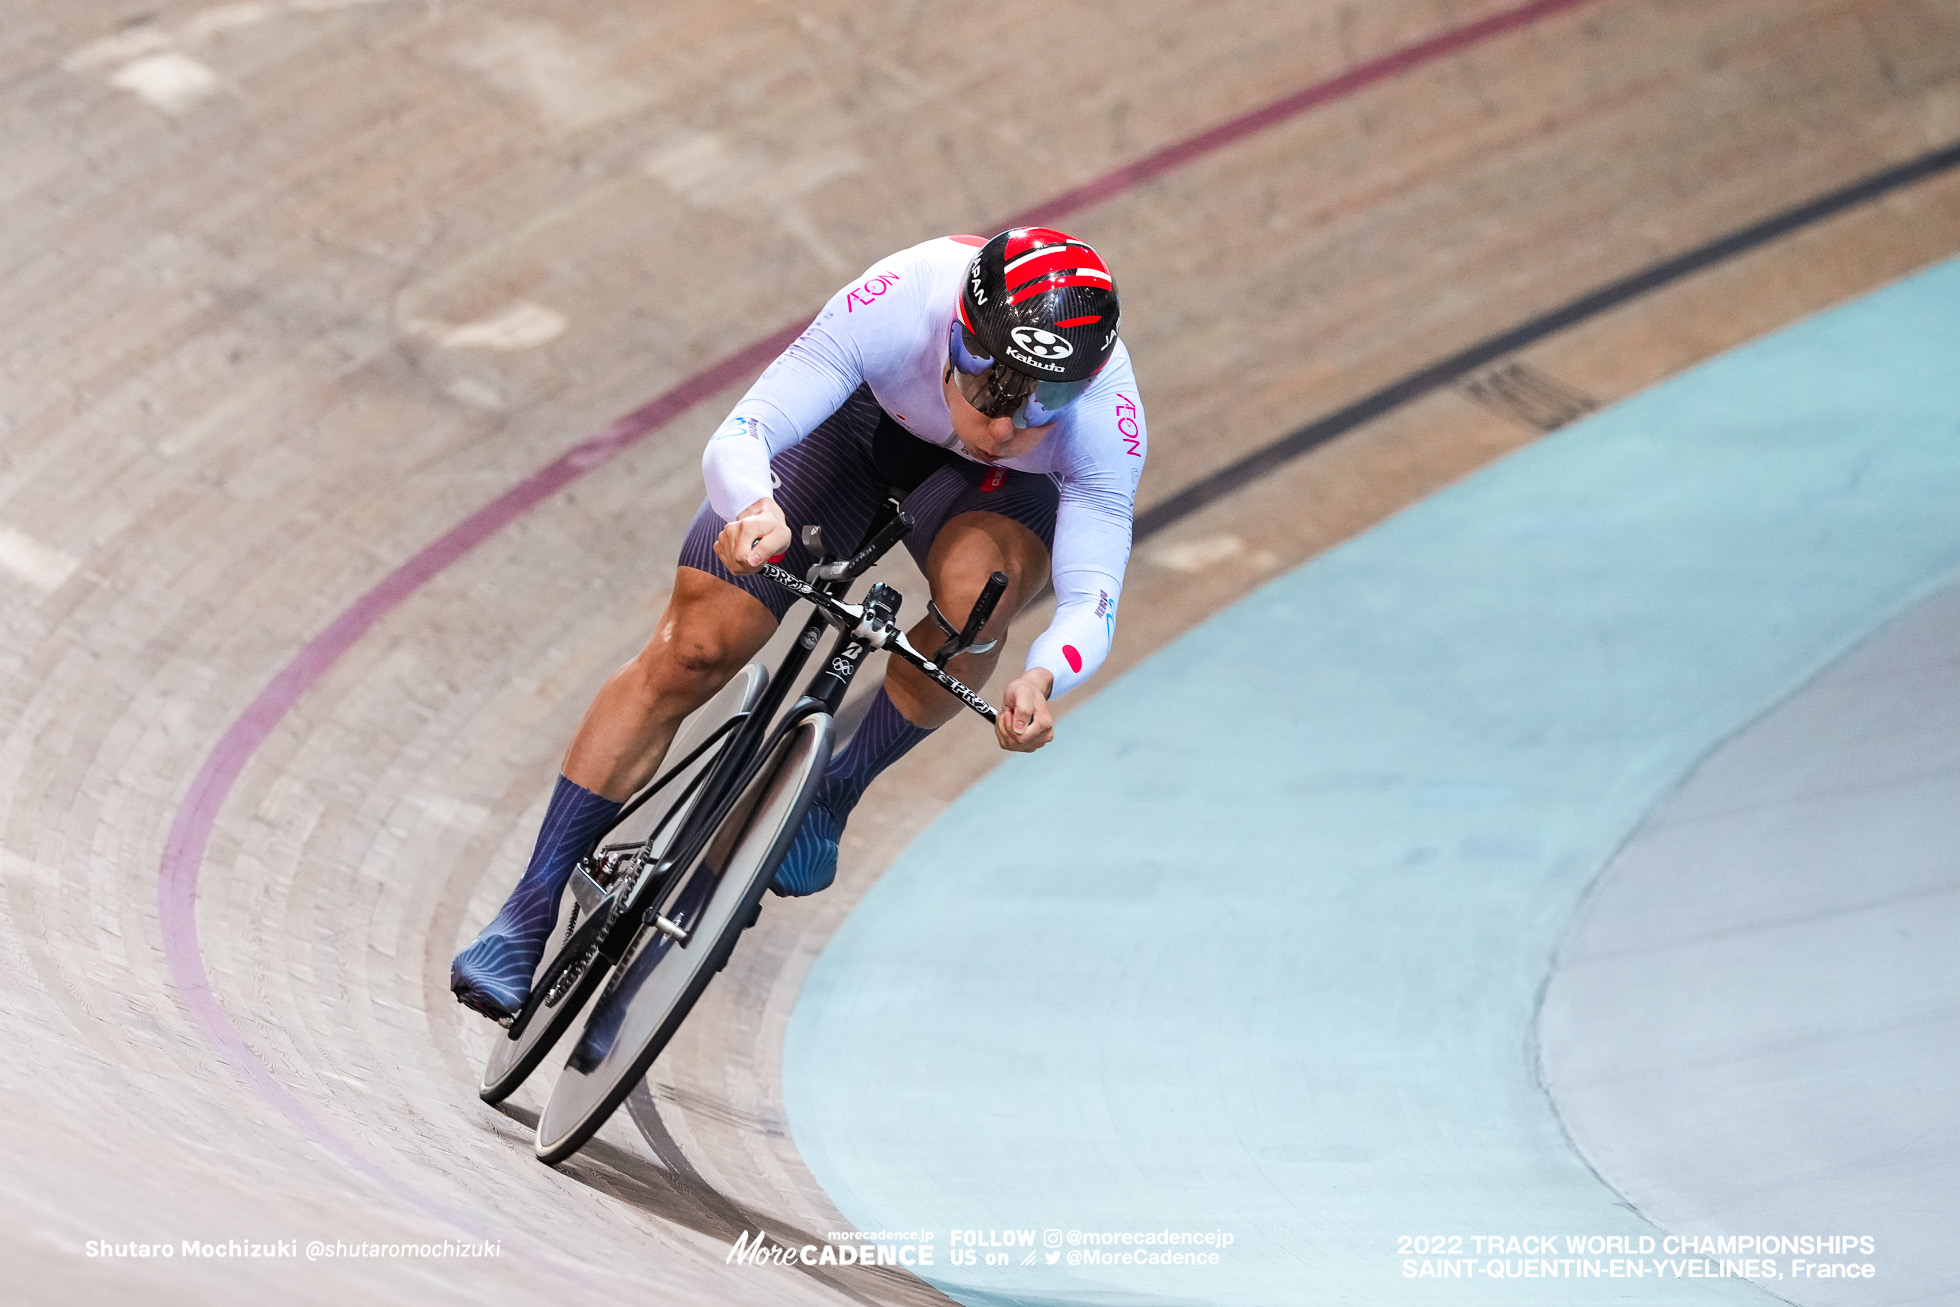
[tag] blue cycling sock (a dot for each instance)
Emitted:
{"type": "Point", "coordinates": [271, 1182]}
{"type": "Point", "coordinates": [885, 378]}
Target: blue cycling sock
{"type": "Point", "coordinates": [498, 965]}
{"type": "Point", "coordinates": [881, 739]}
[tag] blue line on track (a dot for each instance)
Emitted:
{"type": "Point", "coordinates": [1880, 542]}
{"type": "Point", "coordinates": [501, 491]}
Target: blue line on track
{"type": "Point", "coordinates": [1256, 946]}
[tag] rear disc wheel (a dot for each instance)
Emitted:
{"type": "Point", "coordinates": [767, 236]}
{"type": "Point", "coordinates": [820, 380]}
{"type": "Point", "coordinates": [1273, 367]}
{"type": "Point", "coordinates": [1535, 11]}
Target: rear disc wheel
{"type": "Point", "coordinates": [518, 1049]}
{"type": "Point", "coordinates": [659, 982]}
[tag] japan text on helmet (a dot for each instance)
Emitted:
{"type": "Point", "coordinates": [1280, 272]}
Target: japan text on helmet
{"type": "Point", "coordinates": [1043, 303]}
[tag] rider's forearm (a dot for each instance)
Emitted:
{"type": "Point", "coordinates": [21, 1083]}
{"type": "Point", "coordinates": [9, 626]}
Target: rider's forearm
{"type": "Point", "coordinates": [1091, 553]}
{"type": "Point", "coordinates": [1078, 639]}
{"type": "Point", "coordinates": [1044, 680]}
{"type": "Point", "coordinates": [805, 385]}
{"type": "Point", "coordinates": [736, 466]}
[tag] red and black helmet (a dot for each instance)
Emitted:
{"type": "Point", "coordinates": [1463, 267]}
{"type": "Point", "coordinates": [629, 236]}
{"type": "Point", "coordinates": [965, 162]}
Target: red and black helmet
{"type": "Point", "coordinates": [1042, 302]}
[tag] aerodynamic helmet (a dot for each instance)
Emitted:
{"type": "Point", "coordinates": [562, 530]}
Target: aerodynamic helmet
{"type": "Point", "coordinates": [1037, 321]}
{"type": "Point", "coordinates": [1042, 302]}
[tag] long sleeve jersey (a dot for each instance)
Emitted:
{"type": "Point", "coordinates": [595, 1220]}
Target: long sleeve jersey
{"type": "Point", "coordinates": [889, 330]}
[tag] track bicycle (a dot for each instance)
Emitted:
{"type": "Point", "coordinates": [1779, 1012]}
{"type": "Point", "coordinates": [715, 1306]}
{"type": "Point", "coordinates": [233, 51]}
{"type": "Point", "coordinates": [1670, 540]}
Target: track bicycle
{"type": "Point", "coordinates": [649, 921]}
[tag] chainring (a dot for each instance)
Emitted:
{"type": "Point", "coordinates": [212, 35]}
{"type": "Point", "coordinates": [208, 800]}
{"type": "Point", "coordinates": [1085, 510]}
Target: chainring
{"type": "Point", "coordinates": [627, 887]}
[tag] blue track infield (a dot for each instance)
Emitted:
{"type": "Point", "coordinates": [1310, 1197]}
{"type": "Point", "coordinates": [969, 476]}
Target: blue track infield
{"type": "Point", "coordinates": [1256, 947]}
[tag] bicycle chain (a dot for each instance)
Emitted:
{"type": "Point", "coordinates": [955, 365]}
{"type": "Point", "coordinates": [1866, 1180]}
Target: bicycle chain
{"type": "Point", "coordinates": [613, 917]}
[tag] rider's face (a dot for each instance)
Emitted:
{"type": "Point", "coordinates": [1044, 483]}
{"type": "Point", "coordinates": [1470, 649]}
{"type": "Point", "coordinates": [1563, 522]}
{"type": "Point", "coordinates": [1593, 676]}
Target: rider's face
{"type": "Point", "coordinates": [989, 439]}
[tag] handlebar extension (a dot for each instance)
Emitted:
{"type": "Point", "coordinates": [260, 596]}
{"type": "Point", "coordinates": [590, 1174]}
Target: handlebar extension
{"type": "Point", "coordinates": [849, 569]}
{"type": "Point", "coordinates": [983, 608]}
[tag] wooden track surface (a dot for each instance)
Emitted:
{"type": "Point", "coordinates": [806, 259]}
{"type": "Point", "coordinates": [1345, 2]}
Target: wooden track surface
{"type": "Point", "coordinates": [290, 288]}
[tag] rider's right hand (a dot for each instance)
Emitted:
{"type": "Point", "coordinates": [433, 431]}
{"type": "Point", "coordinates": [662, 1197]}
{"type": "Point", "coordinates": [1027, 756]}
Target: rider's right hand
{"type": "Point", "coordinates": [758, 535]}
{"type": "Point", "coordinates": [1023, 723]}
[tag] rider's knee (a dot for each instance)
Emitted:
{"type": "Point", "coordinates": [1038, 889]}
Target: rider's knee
{"type": "Point", "coordinates": [692, 650]}
{"type": "Point", "coordinates": [703, 638]}
{"type": "Point", "coordinates": [969, 550]}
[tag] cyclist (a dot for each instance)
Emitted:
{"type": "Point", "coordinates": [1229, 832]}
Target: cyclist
{"type": "Point", "coordinates": [984, 382]}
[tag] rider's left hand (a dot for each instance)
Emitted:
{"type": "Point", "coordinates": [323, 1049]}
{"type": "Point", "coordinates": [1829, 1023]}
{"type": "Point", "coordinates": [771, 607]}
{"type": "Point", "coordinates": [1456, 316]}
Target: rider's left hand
{"type": "Point", "coordinates": [1024, 724]}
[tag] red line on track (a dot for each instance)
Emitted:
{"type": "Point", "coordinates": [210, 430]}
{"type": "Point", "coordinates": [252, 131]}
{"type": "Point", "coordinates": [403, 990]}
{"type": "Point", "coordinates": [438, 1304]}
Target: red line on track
{"type": "Point", "coordinates": [197, 812]}
{"type": "Point", "coordinates": [1439, 46]}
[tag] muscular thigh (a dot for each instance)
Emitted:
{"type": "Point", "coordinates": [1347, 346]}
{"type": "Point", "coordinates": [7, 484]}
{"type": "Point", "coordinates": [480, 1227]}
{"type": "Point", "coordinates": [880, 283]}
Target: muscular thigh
{"type": "Point", "coordinates": [710, 629]}
{"type": "Point", "coordinates": [973, 520]}
{"type": "Point", "coordinates": [972, 547]}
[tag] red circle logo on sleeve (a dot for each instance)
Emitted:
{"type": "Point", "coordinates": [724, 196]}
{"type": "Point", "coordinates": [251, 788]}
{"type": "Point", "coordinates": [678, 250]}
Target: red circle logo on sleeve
{"type": "Point", "coordinates": [1074, 657]}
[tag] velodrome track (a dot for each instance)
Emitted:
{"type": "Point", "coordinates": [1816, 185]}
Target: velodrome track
{"type": "Point", "coordinates": [295, 289]}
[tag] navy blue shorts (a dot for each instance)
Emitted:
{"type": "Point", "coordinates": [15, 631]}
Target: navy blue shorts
{"type": "Point", "coordinates": [838, 476]}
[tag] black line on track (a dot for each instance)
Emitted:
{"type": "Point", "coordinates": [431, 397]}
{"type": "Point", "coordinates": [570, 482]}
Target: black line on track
{"type": "Point", "coordinates": [1242, 471]}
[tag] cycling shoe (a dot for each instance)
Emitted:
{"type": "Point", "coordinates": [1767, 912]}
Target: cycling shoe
{"type": "Point", "coordinates": [811, 863]}
{"type": "Point", "coordinates": [493, 975]}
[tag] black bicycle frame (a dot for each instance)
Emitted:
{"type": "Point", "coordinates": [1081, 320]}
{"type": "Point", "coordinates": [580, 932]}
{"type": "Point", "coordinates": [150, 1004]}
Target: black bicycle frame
{"type": "Point", "coordinates": [639, 800]}
{"type": "Point", "coordinates": [748, 749]}
{"type": "Point", "coordinates": [751, 741]}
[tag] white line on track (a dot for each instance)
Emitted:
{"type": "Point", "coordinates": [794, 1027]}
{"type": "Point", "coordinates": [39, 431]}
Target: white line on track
{"type": "Point", "coordinates": [42, 566]}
